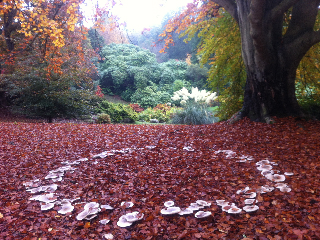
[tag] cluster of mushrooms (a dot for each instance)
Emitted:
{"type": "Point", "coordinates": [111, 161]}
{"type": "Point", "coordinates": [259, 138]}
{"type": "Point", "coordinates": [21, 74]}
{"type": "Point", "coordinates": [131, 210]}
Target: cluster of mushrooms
{"type": "Point", "coordinates": [199, 204]}
{"type": "Point", "coordinates": [48, 199]}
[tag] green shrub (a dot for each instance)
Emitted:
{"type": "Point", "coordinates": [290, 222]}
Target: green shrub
{"type": "Point", "coordinates": [104, 118]}
{"type": "Point", "coordinates": [149, 113]}
{"type": "Point", "coordinates": [193, 114]}
{"type": "Point", "coordinates": [118, 112]}
{"type": "Point", "coordinates": [150, 97]}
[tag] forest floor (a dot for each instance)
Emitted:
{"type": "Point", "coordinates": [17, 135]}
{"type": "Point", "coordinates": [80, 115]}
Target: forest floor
{"type": "Point", "coordinates": [149, 165]}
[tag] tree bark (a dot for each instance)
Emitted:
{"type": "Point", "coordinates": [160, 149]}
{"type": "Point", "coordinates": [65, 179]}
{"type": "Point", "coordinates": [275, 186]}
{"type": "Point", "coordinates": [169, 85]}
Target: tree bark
{"type": "Point", "coordinates": [271, 57]}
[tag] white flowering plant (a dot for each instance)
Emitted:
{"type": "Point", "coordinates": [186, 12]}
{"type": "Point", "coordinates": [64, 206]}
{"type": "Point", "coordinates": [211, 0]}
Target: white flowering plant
{"type": "Point", "coordinates": [194, 111]}
{"type": "Point", "coordinates": [202, 96]}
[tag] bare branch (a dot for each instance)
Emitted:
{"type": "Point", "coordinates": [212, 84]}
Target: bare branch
{"type": "Point", "coordinates": [230, 6]}
{"type": "Point", "coordinates": [281, 8]}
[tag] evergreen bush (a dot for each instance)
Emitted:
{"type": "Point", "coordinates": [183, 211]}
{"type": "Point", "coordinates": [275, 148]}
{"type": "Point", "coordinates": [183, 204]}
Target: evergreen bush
{"type": "Point", "coordinates": [103, 118]}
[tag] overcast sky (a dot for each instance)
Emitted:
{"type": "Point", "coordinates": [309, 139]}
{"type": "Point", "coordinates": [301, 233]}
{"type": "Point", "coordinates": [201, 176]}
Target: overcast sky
{"type": "Point", "coordinates": [140, 14]}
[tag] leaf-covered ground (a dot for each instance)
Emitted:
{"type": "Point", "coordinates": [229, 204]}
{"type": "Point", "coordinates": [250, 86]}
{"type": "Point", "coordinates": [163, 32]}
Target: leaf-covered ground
{"type": "Point", "coordinates": [154, 164]}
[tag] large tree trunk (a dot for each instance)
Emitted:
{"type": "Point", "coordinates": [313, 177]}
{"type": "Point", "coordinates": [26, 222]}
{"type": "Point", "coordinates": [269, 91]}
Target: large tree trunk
{"type": "Point", "coordinates": [271, 56]}
{"type": "Point", "coordinates": [270, 85]}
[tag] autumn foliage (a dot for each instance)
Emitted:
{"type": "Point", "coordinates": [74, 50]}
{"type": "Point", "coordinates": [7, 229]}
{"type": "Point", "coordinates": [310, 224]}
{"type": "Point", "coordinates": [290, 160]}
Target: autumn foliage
{"type": "Point", "coordinates": [149, 165]}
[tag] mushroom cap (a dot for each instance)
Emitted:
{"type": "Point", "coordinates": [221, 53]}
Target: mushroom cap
{"type": "Point", "coordinates": [226, 207]}
{"type": "Point", "coordinates": [249, 201]}
{"type": "Point", "coordinates": [264, 167]}
{"type": "Point", "coordinates": [134, 216]}
{"type": "Point", "coordinates": [104, 221]}
{"type": "Point", "coordinates": [285, 189]}
{"type": "Point", "coordinates": [250, 195]}
{"type": "Point", "coordinates": [280, 185]}
{"type": "Point", "coordinates": [122, 222]}
{"type": "Point", "coordinates": [170, 210]}
{"type": "Point", "coordinates": [127, 204]}
{"type": "Point", "coordinates": [35, 190]}
{"type": "Point", "coordinates": [243, 190]}
{"type": "Point", "coordinates": [288, 173]}
{"type": "Point", "coordinates": [265, 172]}
{"type": "Point", "coordinates": [196, 205]}
{"type": "Point", "coordinates": [263, 162]}
{"type": "Point", "coordinates": [251, 208]}
{"type": "Point", "coordinates": [82, 215]}
{"type": "Point", "coordinates": [278, 178]}
{"type": "Point", "coordinates": [47, 198]}
{"type": "Point", "coordinates": [202, 214]}
{"type": "Point", "coordinates": [108, 236]}
{"type": "Point", "coordinates": [186, 211]}
{"type": "Point", "coordinates": [169, 203]}
{"type": "Point", "coordinates": [92, 207]}
{"type": "Point", "coordinates": [107, 206]}
{"type": "Point", "coordinates": [220, 202]}
{"type": "Point", "coordinates": [234, 210]}
{"type": "Point", "coordinates": [203, 203]}
{"type": "Point", "coordinates": [265, 189]}
{"type": "Point", "coordinates": [47, 206]}
{"type": "Point", "coordinates": [67, 207]}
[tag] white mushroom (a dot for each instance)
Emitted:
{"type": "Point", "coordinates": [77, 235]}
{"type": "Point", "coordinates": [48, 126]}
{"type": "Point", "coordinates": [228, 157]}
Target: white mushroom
{"type": "Point", "coordinates": [169, 203]}
{"type": "Point", "coordinates": [83, 215]}
{"type": "Point", "coordinates": [220, 202]}
{"type": "Point", "coordinates": [93, 207]}
{"type": "Point", "coordinates": [250, 195]}
{"type": "Point", "coordinates": [186, 211]}
{"type": "Point", "coordinates": [249, 201]}
{"type": "Point", "coordinates": [67, 207]}
{"type": "Point", "coordinates": [234, 210]}
{"type": "Point", "coordinates": [170, 210]}
{"type": "Point", "coordinates": [104, 221]}
{"type": "Point", "coordinates": [108, 236]}
{"type": "Point", "coordinates": [278, 178]}
{"type": "Point", "coordinates": [266, 172]}
{"type": "Point", "coordinates": [288, 173]}
{"type": "Point", "coordinates": [202, 214]}
{"type": "Point", "coordinates": [47, 198]}
{"type": "Point", "coordinates": [127, 204]}
{"type": "Point", "coordinates": [108, 207]}
{"type": "Point", "coordinates": [47, 206]}
{"type": "Point", "coordinates": [285, 189]}
{"type": "Point", "coordinates": [243, 190]}
{"type": "Point", "coordinates": [265, 189]}
{"type": "Point", "coordinates": [263, 162]}
{"type": "Point", "coordinates": [280, 185]}
{"type": "Point", "coordinates": [251, 208]}
{"type": "Point", "coordinates": [264, 167]}
{"type": "Point", "coordinates": [203, 203]}
{"type": "Point", "coordinates": [227, 206]}
{"type": "Point", "coordinates": [122, 222]}
{"type": "Point", "coordinates": [134, 216]}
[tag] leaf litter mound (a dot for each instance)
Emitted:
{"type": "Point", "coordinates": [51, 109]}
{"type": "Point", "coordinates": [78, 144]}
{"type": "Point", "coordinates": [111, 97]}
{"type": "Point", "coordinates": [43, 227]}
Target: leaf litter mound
{"type": "Point", "coordinates": [119, 178]}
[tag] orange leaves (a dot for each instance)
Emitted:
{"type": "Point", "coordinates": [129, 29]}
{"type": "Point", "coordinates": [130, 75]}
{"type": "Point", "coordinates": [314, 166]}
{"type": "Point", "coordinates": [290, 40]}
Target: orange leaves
{"type": "Point", "coordinates": [194, 14]}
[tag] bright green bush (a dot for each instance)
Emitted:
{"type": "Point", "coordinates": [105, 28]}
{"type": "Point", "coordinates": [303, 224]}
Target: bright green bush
{"type": "Point", "coordinates": [118, 112]}
{"type": "Point", "coordinates": [153, 113]}
{"type": "Point", "coordinates": [193, 114]}
{"type": "Point", "coordinates": [150, 97]}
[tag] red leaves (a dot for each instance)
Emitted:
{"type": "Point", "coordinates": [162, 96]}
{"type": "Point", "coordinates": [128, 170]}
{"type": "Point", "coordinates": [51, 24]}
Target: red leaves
{"type": "Point", "coordinates": [154, 164]}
